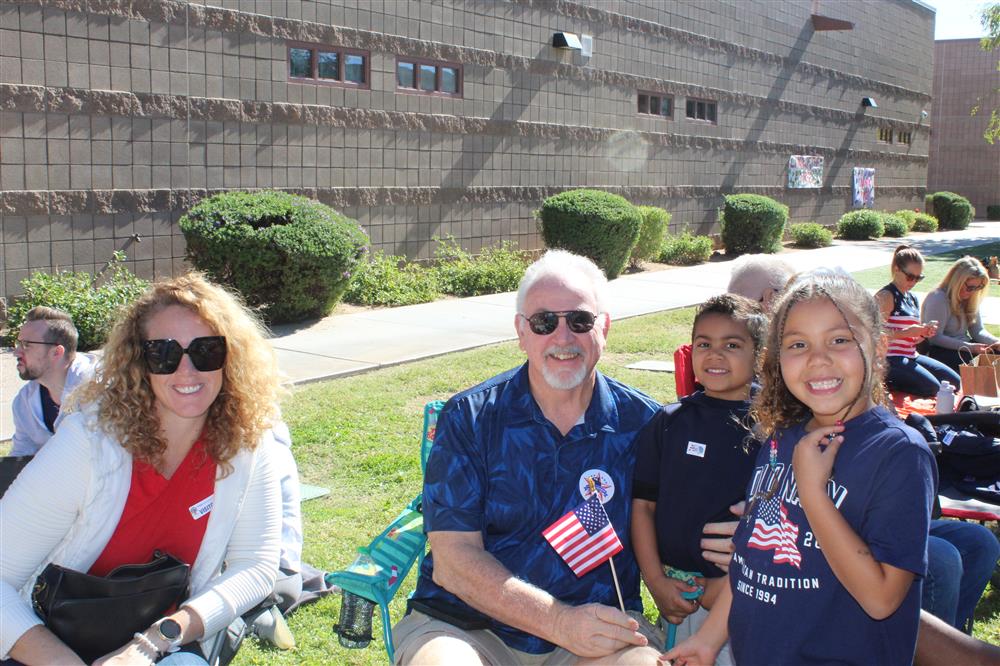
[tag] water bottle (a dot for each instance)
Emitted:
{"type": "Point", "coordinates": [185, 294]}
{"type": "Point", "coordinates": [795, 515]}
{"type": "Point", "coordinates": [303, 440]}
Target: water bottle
{"type": "Point", "coordinates": [354, 630]}
{"type": "Point", "coordinates": [946, 399]}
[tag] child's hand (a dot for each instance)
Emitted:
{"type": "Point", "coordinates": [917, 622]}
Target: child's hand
{"type": "Point", "coordinates": [812, 461]}
{"type": "Point", "coordinates": [692, 652]}
{"type": "Point", "coordinates": [666, 592]}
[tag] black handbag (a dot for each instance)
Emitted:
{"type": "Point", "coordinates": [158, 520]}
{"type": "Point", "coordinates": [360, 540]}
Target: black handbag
{"type": "Point", "coordinates": [94, 615]}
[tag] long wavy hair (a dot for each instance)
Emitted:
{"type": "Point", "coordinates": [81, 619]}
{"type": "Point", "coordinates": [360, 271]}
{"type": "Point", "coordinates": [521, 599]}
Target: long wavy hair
{"type": "Point", "coordinates": [775, 407]}
{"type": "Point", "coordinates": [964, 269]}
{"type": "Point", "coordinates": [247, 401]}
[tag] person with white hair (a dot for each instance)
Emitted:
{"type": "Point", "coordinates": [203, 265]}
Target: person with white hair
{"type": "Point", "coordinates": [759, 277]}
{"type": "Point", "coordinates": [512, 457]}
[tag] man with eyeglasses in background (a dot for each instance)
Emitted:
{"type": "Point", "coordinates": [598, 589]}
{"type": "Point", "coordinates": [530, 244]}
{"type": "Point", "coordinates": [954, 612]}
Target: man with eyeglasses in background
{"type": "Point", "coordinates": [511, 457]}
{"type": "Point", "coordinates": [47, 359]}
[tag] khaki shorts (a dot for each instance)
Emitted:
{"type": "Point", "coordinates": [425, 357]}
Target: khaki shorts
{"type": "Point", "coordinates": [416, 630]}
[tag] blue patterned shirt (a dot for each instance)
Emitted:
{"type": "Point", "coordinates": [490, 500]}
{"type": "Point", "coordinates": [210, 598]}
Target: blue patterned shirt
{"type": "Point", "coordinates": [499, 467]}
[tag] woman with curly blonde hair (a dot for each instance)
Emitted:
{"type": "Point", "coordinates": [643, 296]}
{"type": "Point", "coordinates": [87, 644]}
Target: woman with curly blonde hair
{"type": "Point", "coordinates": [168, 452]}
{"type": "Point", "coordinates": [955, 304]}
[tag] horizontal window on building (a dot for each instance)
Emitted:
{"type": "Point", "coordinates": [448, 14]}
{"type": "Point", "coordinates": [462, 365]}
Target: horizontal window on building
{"type": "Point", "coordinates": [328, 64]}
{"type": "Point", "coordinates": [700, 109]}
{"type": "Point", "coordinates": [428, 77]}
{"type": "Point", "coordinates": [906, 138]}
{"type": "Point", "coordinates": [885, 134]}
{"type": "Point", "coordinates": [656, 105]}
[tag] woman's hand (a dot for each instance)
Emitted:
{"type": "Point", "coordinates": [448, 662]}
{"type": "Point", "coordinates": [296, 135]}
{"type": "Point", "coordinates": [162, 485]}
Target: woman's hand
{"type": "Point", "coordinates": [978, 348]}
{"type": "Point", "coordinates": [132, 652]}
{"type": "Point", "coordinates": [916, 332]}
{"type": "Point", "coordinates": [692, 652]}
{"type": "Point", "coordinates": [812, 461]}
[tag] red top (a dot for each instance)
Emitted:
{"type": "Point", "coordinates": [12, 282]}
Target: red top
{"type": "Point", "coordinates": [169, 515]}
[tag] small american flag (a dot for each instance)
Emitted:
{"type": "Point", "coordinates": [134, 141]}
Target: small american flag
{"type": "Point", "coordinates": [584, 537]}
{"type": "Point", "coordinates": [773, 531]}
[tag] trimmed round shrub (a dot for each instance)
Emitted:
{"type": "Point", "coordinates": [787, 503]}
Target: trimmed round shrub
{"type": "Point", "coordinates": [810, 234]}
{"type": "Point", "coordinates": [895, 226]}
{"type": "Point", "coordinates": [953, 211]}
{"type": "Point", "coordinates": [752, 223]}
{"type": "Point", "coordinates": [290, 256]}
{"type": "Point", "coordinates": [924, 222]}
{"type": "Point", "coordinates": [860, 225]}
{"type": "Point", "coordinates": [654, 225]}
{"type": "Point", "coordinates": [599, 225]}
{"type": "Point", "coordinates": [686, 249]}
{"type": "Point", "coordinates": [907, 215]}
{"type": "Point", "coordinates": [993, 212]}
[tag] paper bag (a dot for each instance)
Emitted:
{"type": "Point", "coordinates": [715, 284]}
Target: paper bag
{"type": "Point", "coordinates": [981, 376]}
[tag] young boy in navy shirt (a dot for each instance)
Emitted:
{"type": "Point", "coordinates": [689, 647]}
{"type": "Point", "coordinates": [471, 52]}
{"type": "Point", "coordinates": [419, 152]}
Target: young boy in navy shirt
{"type": "Point", "coordinates": [694, 460]}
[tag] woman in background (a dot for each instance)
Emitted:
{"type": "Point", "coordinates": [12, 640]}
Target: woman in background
{"type": "Point", "coordinates": [955, 306]}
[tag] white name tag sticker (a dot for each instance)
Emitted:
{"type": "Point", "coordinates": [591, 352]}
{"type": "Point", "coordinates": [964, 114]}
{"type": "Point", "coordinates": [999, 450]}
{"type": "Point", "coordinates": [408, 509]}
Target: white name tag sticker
{"type": "Point", "coordinates": [696, 449]}
{"type": "Point", "coordinates": [201, 508]}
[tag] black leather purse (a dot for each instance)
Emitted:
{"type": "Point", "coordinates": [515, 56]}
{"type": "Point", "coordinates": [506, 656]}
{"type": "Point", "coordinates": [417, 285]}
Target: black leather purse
{"type": "Point", "coordinates": [94, 615]}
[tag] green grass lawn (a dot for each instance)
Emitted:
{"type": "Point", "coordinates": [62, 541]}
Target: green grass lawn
{"type": "Point", "coordinates": [935, 267]}
{"type": "Point", "coordinates": [359, 436]}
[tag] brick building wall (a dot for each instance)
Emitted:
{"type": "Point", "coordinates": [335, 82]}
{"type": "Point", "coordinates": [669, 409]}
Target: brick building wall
{"type": "Point", "coordinates": [116, 115]}
{"type": "Point", "coordinates": [960, 158]}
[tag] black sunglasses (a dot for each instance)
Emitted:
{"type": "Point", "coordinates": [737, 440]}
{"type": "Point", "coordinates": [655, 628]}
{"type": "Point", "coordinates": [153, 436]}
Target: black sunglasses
{"type": "Point", "coordinates": [544, 323]}
{"type": "Point", "coordinates": [164, 356]}
{"type": "Point", "coordinates": [911, 277]}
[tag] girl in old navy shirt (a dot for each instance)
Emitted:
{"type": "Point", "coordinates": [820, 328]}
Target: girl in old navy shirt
{"type": "Point", "coordinates": [834, 539]}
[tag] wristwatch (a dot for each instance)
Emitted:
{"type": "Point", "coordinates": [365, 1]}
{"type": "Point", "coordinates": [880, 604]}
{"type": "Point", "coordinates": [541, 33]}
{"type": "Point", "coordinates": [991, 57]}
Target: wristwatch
{"type": "Point", "coordinates": [170, 631]}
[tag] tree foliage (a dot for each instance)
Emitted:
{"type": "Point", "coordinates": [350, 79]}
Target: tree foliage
{"type": "Point", "coordinates": [990, 18]}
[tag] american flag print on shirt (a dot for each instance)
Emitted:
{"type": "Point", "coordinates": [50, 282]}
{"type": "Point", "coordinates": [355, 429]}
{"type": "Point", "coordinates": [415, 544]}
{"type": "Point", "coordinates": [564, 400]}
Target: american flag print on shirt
{"type": "Point", "coordinates": [584, 537]}
{"type": "Point", "coordinates": [772, 530]}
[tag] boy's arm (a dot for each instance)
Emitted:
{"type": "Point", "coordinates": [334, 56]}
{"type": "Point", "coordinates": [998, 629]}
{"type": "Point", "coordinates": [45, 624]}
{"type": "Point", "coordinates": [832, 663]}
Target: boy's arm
{"type": "Point", "coordinates": [666, 592]}
{"type": "Point", "coordinates": [704, 646]}
{"type": "Point", "coordinates": [878, 587]}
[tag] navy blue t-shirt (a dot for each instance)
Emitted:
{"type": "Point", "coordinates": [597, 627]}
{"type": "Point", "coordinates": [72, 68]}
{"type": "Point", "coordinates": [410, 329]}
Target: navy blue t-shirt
{"type": "Point", "coordinates": [694, 463]}
{"type": "Point", "coordinates": [788, 606]}
{"type": "Point", "coordinates": [499, 467]}
{"type": "Point", "coordinates": [50, 410]}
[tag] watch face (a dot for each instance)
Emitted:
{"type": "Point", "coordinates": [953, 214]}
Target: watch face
{"type": "Point", "coordinates": [170, 629]}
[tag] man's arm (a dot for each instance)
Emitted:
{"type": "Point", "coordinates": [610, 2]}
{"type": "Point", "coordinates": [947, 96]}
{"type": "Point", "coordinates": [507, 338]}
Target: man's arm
{"type": "Point", "coordinates": [463, 567]}
{"type": "Point", "coordinates": [22, 444]}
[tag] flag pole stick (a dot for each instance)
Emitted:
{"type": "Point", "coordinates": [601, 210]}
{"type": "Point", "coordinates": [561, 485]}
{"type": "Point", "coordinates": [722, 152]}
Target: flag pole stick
{"type": "Point", "coordinates": [618, 589]}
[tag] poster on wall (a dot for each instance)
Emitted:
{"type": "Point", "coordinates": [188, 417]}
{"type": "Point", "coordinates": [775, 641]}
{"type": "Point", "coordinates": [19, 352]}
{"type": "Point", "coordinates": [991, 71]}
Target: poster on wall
{"type": "Point", "coordinates": [864, 187]}
{"type": "Point", "coordinates": [805, 171]}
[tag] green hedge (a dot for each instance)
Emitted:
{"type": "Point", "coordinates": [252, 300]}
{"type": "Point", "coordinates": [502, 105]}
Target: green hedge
{"type": "Point", "coordinates": [592, 223]}
{"type": "Point", "coordinates": [924, 222]}
{"type": "Point", "coordinates": [498, 268]}
{"type": "Point", "coordinates": [655, 222]}
{"type": "Point", "coordinates": [289, 255]}
{"type": "Point", "coordinates": [389, 280]}
{"type": "Point", "coordinates": [752, 223]}
{"type": "Point", "coordinates": [861, 225]}
{"type": "Point", "coordinates": [686, 249]}
{"type": "Point", "coordinates": [94, 303]}
{"type": "Point", "coordinates": [810, 234]}
{"type": "Point", "coordinates": [908, 216]}
{"type": "Point", "coordinates": [894, 226]}
{"type": "Point", "coordinates": [953, 211]}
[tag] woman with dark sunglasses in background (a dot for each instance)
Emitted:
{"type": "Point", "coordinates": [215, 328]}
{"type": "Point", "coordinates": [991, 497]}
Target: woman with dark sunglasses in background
{"type": "Point", "coordinates": [168, 452]}
{"type": "Point", "coordinates": [909, 371]}
{"type": "Point", "coordinates": [955, 305]}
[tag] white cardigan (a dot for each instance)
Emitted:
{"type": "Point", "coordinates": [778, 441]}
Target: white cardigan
{"type": "Point", "coordinates": [65, 505]}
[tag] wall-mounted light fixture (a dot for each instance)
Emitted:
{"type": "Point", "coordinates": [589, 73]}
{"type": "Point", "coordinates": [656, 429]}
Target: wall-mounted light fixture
{"type": "Point", "coordinates": [566, 40]}
{"type": "Point", "coordinates": [869, 101]}
{"type": "Point", "coordinates": [923, 113]}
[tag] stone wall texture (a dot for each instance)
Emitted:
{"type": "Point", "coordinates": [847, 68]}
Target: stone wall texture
{"type": "Point", "coordinates": [961, 160]}
{"type": "Point", "coordinates": [117, 115]}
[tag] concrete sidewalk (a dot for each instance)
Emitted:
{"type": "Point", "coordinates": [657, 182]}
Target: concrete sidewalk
{"type": "Point", "coordinates": [349, 343]}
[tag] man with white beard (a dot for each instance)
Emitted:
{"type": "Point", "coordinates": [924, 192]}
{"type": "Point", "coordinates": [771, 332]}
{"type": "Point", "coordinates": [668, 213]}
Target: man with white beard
{"type": "Point", "coordinates": [511, 457]}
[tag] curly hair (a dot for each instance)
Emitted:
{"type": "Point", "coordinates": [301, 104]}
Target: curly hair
{"type": "Point", "coordinates": [775, 407]}
{"type": "Point", "coordinates": [963, 269]}
{"type": "Point", "coordinates": [740, 309]}
{"type": "Point", "coordinates": [247, 401]}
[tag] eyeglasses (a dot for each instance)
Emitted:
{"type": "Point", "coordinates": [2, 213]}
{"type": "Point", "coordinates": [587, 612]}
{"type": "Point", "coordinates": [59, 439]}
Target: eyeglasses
{"type": "Point", "coordinates": [544, 323]}
{"type": "Point", "coordinates": [23, 344]}
{"type": "Point", "coordinates": [164, 356]}
{"type": "Point", "coordinates": [911, 277]}
{"type": "Point", "coordinates": [977, 287]}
